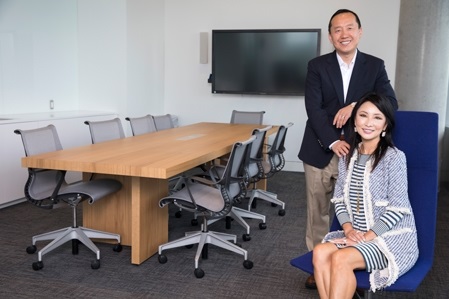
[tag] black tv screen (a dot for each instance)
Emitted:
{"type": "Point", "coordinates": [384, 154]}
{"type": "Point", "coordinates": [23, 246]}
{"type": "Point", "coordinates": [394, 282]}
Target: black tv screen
{"type": "Point", "coordinates": [262, 61]}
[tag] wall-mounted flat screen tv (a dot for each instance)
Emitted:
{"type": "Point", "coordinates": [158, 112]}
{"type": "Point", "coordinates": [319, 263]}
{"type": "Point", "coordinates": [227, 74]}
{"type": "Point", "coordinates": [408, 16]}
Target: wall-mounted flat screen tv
{"type": "Point", "coordinates": [271, 62]}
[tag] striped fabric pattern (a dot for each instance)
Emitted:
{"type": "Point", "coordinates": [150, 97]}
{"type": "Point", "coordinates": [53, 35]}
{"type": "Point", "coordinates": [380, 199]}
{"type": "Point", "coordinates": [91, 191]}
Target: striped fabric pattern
{"type": "Point", "coordinates": [374, 259]}
{"type": "Point", "coordinates": [387, 212]}
{"type": "Point", "coordinates": [356, 197]}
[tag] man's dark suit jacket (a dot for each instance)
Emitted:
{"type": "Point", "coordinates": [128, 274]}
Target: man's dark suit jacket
{"type": "Point", "coordinates": [324, 97]}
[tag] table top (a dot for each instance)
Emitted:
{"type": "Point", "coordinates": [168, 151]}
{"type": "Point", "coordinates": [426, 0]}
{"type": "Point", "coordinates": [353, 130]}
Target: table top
{"type": "Point", "coordinates": [161, 154]}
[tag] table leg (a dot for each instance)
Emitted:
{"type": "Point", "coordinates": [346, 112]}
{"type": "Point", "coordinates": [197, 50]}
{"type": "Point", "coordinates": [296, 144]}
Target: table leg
{"type": "Point", "coordinates": [149, 221]}
{"type": "Point", "coordinates": [134, 213]}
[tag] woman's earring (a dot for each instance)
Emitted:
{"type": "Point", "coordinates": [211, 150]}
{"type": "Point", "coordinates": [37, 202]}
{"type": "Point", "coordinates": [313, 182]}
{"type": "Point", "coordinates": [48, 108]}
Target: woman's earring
{"type": "Point", "coordinates": [383, 134]}
{"type": "Point", "coordinates": [355, 129]}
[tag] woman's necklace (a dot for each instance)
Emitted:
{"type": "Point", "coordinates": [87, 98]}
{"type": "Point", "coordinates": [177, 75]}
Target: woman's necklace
{"type": "Point", "coordinates": [362, 158]}
{"type": "Point", "coordinates": [359, 186]}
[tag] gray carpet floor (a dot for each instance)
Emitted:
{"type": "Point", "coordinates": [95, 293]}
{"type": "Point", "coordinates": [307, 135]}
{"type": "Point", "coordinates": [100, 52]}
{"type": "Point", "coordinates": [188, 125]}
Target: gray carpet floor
{"type": "Point", "coordinates": [70, 276]}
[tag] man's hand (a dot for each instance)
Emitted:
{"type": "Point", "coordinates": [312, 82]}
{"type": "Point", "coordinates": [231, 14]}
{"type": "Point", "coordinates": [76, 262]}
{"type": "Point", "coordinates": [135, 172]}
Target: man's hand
{"type": "Point", "coordinates": [342, 116]}
{"type": "Point", "coordinates": [341, 148]}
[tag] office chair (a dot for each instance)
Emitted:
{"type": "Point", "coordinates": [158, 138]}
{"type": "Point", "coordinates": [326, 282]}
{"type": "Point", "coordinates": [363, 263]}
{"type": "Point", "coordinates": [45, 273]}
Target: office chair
{"type": "Point", "coordinates": [247, 117]}
{"type": "Point", "coordinates": [416, 134]}
{"type": "Point", "coordinates": [142, 125]}
{"type": "Point", "coordinates": [253, 170]}
{"type": "Point", "coordinates": [47, 188]}
{"type": "Point", "coordinates": [105, 130]}
{"type": "Point", "coordinates": [211, 200]}
{"type": "Point", "coordinates": [274, 163]}
{"type": "Point", "coordinates": [163, 122]}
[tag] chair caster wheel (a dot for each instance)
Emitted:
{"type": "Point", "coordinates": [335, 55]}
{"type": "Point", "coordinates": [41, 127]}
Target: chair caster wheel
{"type": "Point", "coordinates": [273, 204]}
{"type": "Point", "coordinates": [162, 259]}
{"type": "Point", "coordinates": [246, 237]}
{"type": "Point", "coordinates": [198, 273]}
{"type": "Point", "coordinates": [194, 222]}
{"type": "Point", "coordinates": [281, 212]}
{"type": "Point", "coordinates": [262, 225]}
{"type": "Point", "coordinates": [38, 265]}
{"type": "Point", "coordinates": [178, 214]}
{"type": "Point", "coordinates": [31, 249]}
{"type": "Point", "coordinates": [95, 264]}
{"type": "Point", "coordinates": [247, 264]}
{"type": "Point", "coordinates": [118, 247]}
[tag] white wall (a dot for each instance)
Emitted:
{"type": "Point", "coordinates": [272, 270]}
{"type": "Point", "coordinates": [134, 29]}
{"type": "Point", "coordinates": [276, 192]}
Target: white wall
{"type": "Point", "coordinates": [102, 54]}
{"type": "Point", "coordinates": [145, 57]}
{"type": "Point", "coordinates": [121, 56]}
{"type": "Point", "coordinates": [187, 92]}
{"type": "Point", "coordinates": [135, 57]}
{"type": "Point", "coordinates": [38, 55]}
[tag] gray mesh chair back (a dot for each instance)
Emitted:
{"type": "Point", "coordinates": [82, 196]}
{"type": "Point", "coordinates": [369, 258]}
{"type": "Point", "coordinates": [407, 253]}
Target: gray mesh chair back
{"type": "Point", "coordinates": [101, 131]}
{"type": "Point", "coordinates": [163, 122]}
{"type": "Point", "coordinates": [46, 188]}
{"type": "Point", "coordinates": [41, 140]}
{"type": "Point", "coordinates": [267, 167]}
{"type": "Point", "coordinates": [41, 184]}
{"type": "Point", "coordinates": [142, 125]}
{"type": "Point", "coordinates": [233, 180]}
{"type": "Point", "coordinates": [247, 117]}
{"type": "Point", "coordinates": [276, 160]}
{"type": "Point", "coordinates": [211, 200]}
{"type": "Point", "coordinates": [255, 169]}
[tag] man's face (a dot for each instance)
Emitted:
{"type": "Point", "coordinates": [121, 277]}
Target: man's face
{"type": "Point", "coordinates": [345, 34]}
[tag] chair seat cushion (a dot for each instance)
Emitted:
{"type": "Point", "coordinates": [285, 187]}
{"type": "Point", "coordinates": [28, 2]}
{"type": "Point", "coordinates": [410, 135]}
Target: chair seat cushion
{"type": "Point", "coordinates": [408, 282]}
{"type": "Point", "coordinates": [206, 197]}
{"type": "Point", "coordinates": [95, 189]}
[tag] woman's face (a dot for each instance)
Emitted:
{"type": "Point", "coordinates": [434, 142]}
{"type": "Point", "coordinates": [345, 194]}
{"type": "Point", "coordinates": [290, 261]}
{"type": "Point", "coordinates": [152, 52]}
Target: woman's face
{"type": "Point", "coordinates": [370, 122]}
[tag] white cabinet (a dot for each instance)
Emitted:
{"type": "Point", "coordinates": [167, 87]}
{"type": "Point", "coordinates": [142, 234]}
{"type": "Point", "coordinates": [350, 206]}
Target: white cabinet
{"type": "Point", "coordinates": [71, 130]}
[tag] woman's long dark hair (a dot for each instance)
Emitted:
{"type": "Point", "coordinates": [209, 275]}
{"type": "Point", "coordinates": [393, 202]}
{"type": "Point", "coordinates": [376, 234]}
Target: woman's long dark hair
{"type": "Point", "coordinates": [384, 105]}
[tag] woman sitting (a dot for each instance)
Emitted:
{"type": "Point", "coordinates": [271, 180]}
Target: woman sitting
{"type": "Point", "coordinates": [372, 206]}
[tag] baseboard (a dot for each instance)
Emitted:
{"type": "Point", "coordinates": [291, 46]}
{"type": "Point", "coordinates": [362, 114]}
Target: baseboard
{"type": "Point", "coordinates": [295, 166]}
{"type": "Point", "coordinates": [12, 202]}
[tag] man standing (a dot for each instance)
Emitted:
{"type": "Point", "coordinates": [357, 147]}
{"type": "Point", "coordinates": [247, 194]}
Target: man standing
{"type": "Point", "coordinates": [334, 83]}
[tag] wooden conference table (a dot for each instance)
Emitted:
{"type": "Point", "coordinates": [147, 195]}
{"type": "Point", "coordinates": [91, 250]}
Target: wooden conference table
{"type": "Point", "coordinates": [143, 165]}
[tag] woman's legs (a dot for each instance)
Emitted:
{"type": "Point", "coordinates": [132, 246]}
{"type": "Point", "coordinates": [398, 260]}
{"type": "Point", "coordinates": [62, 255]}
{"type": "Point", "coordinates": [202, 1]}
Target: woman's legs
{"type": "Point", "coordinates": [334, 270]}
{"type": "Point", "coordinates": [344, 262]}
{"type": "Point", "coordinates": [322, 261]}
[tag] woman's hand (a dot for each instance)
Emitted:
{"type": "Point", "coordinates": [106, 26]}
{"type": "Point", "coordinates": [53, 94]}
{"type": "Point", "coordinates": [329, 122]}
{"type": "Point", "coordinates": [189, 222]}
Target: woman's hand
{"type": "Point", "coordinates": [355, 236]}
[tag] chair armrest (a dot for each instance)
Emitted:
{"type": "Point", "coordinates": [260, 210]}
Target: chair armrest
{"type": "Point", "coordinates": [203, 180]}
